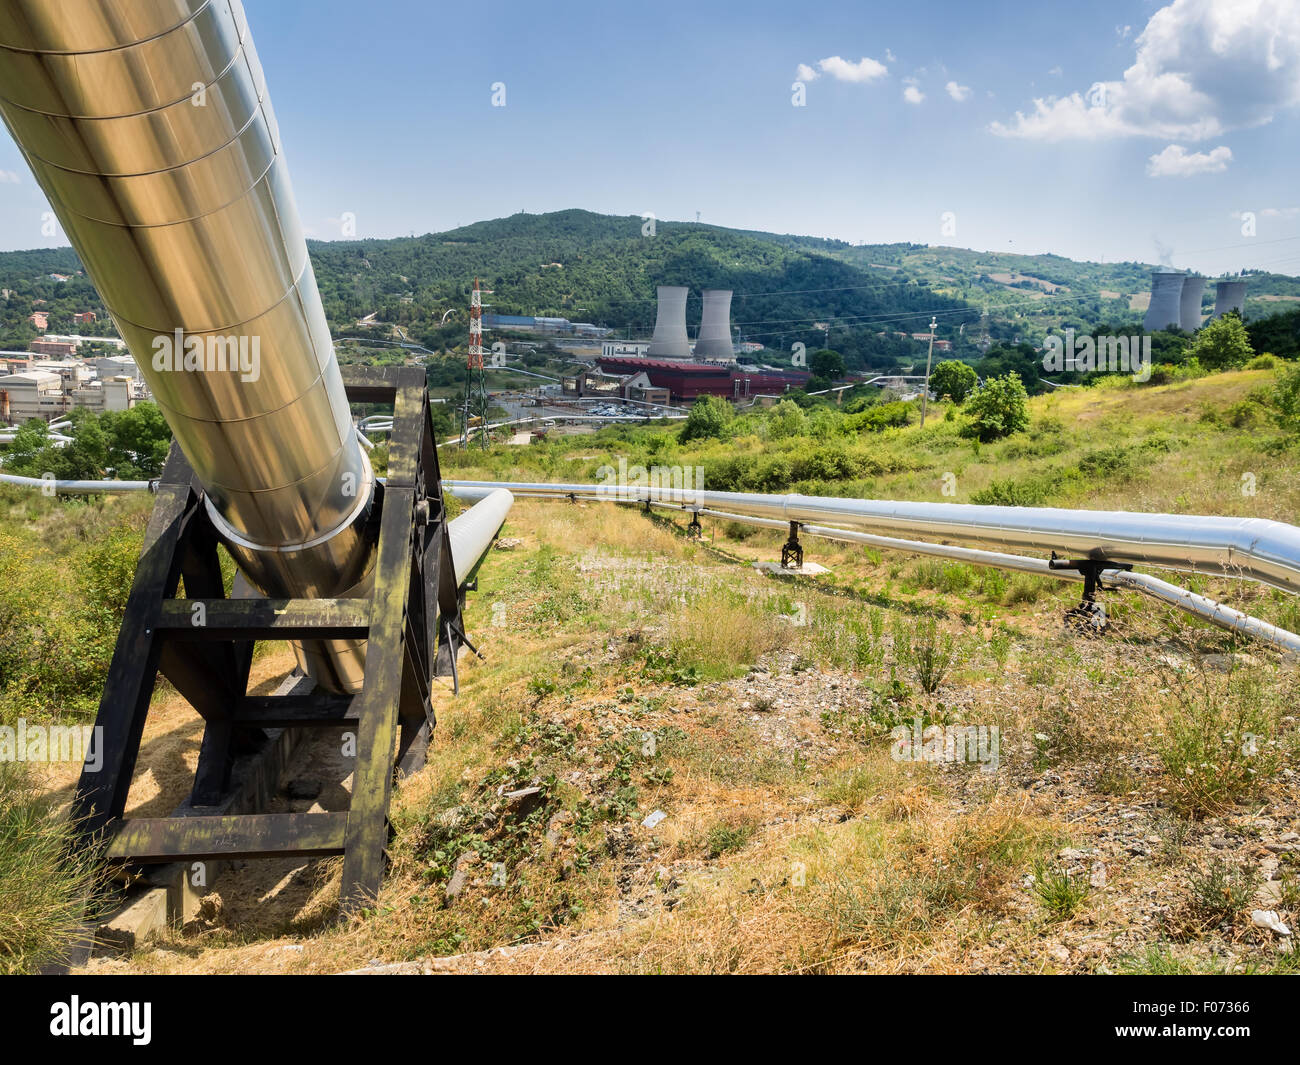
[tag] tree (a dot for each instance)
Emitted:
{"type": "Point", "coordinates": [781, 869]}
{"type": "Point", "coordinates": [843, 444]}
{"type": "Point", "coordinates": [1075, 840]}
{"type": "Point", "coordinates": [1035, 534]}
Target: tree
{"type": "Point", "coordinates": [709, 418]}
{"type": "Point", "coordinates": [998, 409]}
{"type": "Point", "coordinates": [827, 364]}
{"type": "Point", "coordinates": [786, 419]}
{"type": "Point", "coordinates": [137, 441]}
{"type": "Point", "coordinates": [1224, 344]}
{"type": "Point", "coordinates": [1021, 359]}
{"type": "Point", "coordinates": [953, 379]}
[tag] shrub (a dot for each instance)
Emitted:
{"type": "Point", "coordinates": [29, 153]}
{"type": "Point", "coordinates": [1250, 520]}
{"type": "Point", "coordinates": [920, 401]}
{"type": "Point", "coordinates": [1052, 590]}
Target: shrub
{"type": "Point", "coordinates": [880, 417]}
{"type": "Point", "coordinates": [953, 379]}
{"type": "Point", "coordinates": [998, 409]}
{"type": "Point", "coordinates": [1223, 344]}
{"type": "Point", "coordinates": [785, 420]}
{"type": "Point", "coordinates": [710, 418]}
{"type": "Point", "coordinates": [1286, 398]}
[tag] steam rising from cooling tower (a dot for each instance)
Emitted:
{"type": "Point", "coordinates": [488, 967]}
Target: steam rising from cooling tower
{"type": "Point", "coordinates": [670, 341]}
{"type": "Point", "coordinates": [1165, 309]}
{"type": "Point", "coordinates": [1229, 296]}
{"type": "Point", "coordinates": [714, 341]}
{"type": "Point", "coordinates": [1189, 303]}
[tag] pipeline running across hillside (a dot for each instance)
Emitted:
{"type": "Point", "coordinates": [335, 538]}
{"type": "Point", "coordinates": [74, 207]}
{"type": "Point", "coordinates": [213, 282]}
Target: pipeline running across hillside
{"type": "Point", "coordinates": [148, 126]}
{"type": "Point", "coordinates": [1251, 548]}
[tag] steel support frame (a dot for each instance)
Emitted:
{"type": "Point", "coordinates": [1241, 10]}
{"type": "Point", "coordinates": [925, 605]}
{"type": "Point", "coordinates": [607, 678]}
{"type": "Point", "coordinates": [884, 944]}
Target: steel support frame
{"type": "Point", "coordinates": [412, 623]}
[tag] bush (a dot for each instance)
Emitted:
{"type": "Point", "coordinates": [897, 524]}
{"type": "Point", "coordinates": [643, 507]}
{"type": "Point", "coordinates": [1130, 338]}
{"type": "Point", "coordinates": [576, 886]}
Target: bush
{"type": "Point", "coordinates": [880, 417]}
{"type": "Point", "coordinates": [998, 409]}
{"type": "Point", "coordinates": [785, 420]}
{"type": "Point", "coordinates": [1223, 344]}
{"type": "Point", "coordinates": [710, 418]}
{"type": "Point", "coordinates": [953, 379]}
{"type": "Point", "coordinates": [1286, 398]}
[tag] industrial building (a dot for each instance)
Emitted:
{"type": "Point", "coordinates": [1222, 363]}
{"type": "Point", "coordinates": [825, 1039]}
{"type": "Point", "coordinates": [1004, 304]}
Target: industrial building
{"type": "Point", "coordinates": [43, 394]}
{"type": "Point", "coordinates": [685, 380]}
{"type": "Point", "coordinates": [545, 326]}
{"type": "Point", "coordinates": [599, 384]}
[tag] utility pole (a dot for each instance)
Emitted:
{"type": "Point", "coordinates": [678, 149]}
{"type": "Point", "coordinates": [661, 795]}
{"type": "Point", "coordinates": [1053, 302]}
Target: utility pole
{"type": "Point", "coordinates": [925, 394]}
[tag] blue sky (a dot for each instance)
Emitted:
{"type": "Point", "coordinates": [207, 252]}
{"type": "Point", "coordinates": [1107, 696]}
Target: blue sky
{"type": "Point", "coordinates": [1108, 130]}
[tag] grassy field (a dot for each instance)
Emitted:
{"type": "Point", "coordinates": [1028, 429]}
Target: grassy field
{"type": "Point", "coordinates": [727, 773]}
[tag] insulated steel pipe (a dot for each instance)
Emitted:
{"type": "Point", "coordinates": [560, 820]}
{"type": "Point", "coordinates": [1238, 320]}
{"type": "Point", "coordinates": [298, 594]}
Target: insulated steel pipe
{"type": "Point", "coordinates": [1208, 609]}
{"type": "Point", "coordinates": [1255, 548]}
{"type": "Point", "coordinates": [75, 488]}
{"type": "Point", "coordinates": [148, 126]}
{"type": "Point", "coordinates": [471, 533]}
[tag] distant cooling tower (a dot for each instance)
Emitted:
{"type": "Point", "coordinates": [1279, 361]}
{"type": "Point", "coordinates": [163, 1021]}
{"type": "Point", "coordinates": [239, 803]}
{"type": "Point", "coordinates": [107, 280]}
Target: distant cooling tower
{"type": "Point", "coordinates": [1166, 300]}
{"type": "Point", "coordinates": [1229, 296]}
{"type": "Point", "coordinates": [714, 341]}
{"type": "Point", "coordinates": [670, 340]}
{"type": "Point", "coordinates": [1189, 303]}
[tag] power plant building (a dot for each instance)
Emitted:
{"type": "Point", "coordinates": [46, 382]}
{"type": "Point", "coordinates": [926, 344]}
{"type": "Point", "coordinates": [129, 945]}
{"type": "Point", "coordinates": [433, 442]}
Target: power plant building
{"type": "Point", "coordinates": [686, 380]}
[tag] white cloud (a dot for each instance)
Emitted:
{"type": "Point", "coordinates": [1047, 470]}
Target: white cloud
{"type": "Point", "coordinates": [8, 177]}
{"type": "Point", "coordinates": [890, 57]}
{"type": "Point", "coordinates": [1202, 67]}
{"type": "Point", "coordinates": [803, 72]}
{"type": "Point", "coordinates": [1177, 161]}
{"type": "Point", "coordinates": [865, 69]}
{"type": "Point", "coordinates": [1280, 212]}
{"type": "Point", "coordinates": [1056, 72]}
{"type": "Point", "coordinates": [913, 95]}
{"type": "Point", "coordinates": [958, 92]}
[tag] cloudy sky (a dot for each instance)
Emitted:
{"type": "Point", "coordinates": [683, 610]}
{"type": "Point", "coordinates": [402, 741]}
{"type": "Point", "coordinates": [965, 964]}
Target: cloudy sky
{"type": "Point", "coordinates": [1107, 130]}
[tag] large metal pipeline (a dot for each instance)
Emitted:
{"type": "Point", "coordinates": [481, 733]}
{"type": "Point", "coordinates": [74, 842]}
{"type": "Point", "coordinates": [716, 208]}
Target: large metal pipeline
{"type": "Point", "coordinates": [1201, 606]}
{"type": "Point", "coordinates": [471, 533]}
{"type": "Point", "coordinates": [1255, 548]}
{"type": "Point", "coordinates": [148, 126]}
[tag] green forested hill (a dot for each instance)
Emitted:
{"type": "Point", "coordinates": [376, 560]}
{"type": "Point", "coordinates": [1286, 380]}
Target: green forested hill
{"type": "Point", "coordinates": [601, 268]}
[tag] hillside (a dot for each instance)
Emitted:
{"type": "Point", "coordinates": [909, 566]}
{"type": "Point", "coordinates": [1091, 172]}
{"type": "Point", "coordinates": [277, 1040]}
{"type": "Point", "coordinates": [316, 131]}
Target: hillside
{"type": "Point", "coordinates": [629, 670]}
{"type": "Point", "coordinates": [599, 268]}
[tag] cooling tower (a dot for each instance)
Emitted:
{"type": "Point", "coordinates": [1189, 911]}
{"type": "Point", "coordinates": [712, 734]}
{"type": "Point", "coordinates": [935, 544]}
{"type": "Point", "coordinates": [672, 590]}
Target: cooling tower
{"type": "Point", "coordinates": [1229, 296]}
{"type": "Point", "coordinates": [714, 341]}
{"type": "Point", "coordinates": [1166, 297]}
{"type": "Point", "coordinates": [1189, 303]}
{"type": "Point", "coordinates": [670, 341]}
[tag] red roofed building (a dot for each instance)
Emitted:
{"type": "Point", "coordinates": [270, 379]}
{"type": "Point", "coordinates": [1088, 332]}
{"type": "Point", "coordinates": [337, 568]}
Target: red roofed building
{"type": "Point", "coordinates": [690, 380]}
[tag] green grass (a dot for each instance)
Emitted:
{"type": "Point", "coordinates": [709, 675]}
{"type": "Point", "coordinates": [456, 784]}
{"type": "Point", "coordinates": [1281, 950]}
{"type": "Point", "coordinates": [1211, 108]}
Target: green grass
{"type": "Point", "coordinates": [1060, 893]}
{"type": "Point", "coordinates": [45, 882]}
